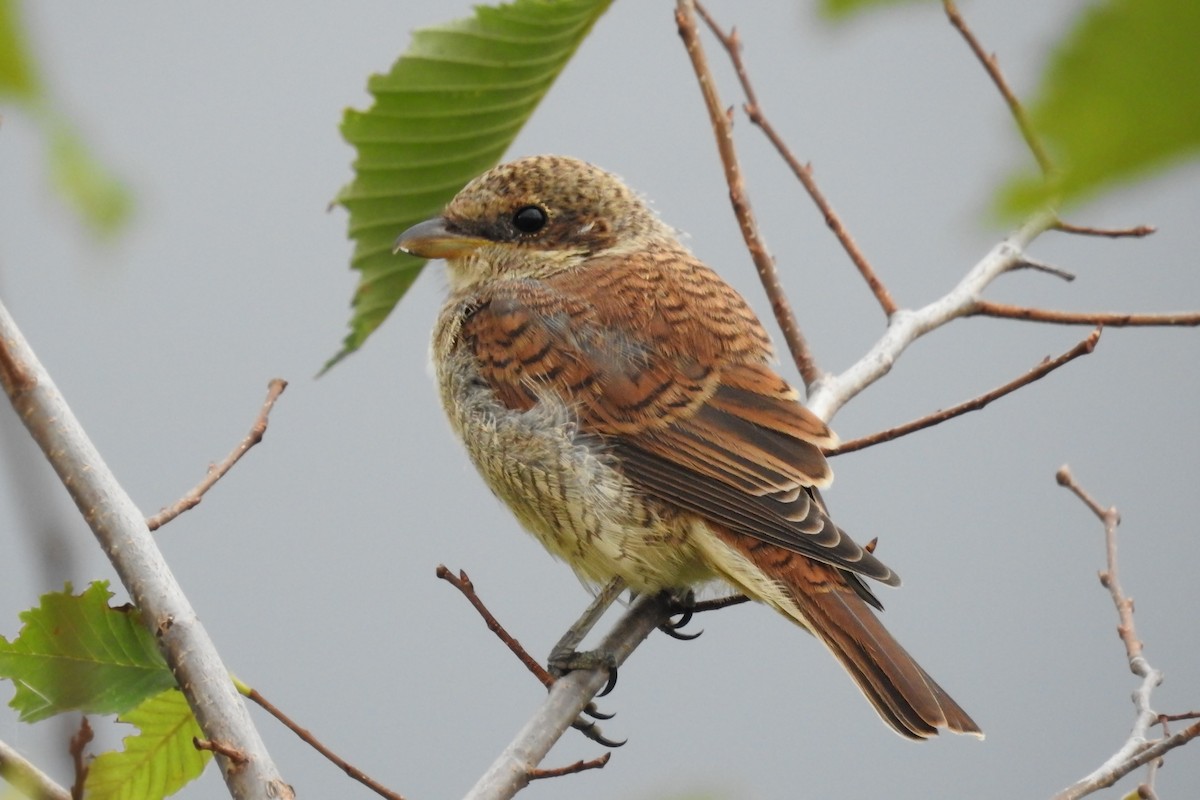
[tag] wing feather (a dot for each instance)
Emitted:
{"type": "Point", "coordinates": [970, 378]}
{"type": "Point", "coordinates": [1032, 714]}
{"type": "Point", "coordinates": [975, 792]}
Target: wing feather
{"type": "Point", "coordinates": [696, 418]}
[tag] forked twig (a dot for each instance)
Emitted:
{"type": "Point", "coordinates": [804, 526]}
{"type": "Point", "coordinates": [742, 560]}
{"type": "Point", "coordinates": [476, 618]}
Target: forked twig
{"type": "Point", "coordinates": [1138, 749]}
{"type": "Point", "coordinates": [803, 172]}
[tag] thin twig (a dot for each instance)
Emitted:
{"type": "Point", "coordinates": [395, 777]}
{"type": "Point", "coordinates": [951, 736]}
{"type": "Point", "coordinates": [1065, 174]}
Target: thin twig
{"type": "Point", "coordinates": [464, 585]}
{"type": "Point", "coordinates": [1040, 371]}
{"type": "Point", "coordinates": [1049, 269]}
{"type": "Point", "coordinates": [570, 769]}
{"type": "Point", "coordinates": [1138, 749]}
{"type": "Point", "coordinates": [719, 603]}
{"type": "Point", "coordinates": [803, 172]}
{"type": "Point", "coordinates": [992, 66]}
{"type": "Point", "coordinates": [77, 748]}
{"type": "Point", "coordinates": [22, 775]}
{"type": "Point", "coordinates": [232, 753]}
{"type": "Point", "coordinates": [1136, 231]}
{"type": "Point", "coordinates": [1109, 319]}
{"type": "Point", "coordinates": [306, 735]}
{"type": "Point", "coordinates": [217, 471]}
{"type": "Point", "coordinates": [120, 528]}
{"type": "Point", "coordinates": [722, 125]}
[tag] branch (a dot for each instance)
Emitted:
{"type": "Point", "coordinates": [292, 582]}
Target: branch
{"type": "Point", "coordinates": [216, 472]}
{"type": "Point", "coordinates": [566, 700]}
{"type": "Point", "coordinates": [1136, 232]}
{"type": "Point", "coordinates": [1111, 319]}
{"type": "Point", "coordinates": [992, 67]}
{"type": "Point", "coordinates": [1040, 371]}
{"type": "Point", "coordinates": [905, 326]}
{"type": "Point", "coordinates": [121, 531]}
{"type": "Point", "coordinates": [1138, 750]}
{"type": "Point", "coordinates": [464, 585]}
{"type": "Point", "coordinates": [803, 172]}
{"type": "Point", "coordinates": [570, 769]}
{"type": "Point", "coordinates": [722, 124]}
{"type": "Point", "coordinates": [27, 779]}
{"type": "Point", "coordinates": [312, 741]}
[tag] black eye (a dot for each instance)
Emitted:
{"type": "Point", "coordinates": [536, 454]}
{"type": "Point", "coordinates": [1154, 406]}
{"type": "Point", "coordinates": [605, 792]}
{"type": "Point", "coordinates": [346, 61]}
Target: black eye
{"type": "Point", "coordinates": [530, 219]}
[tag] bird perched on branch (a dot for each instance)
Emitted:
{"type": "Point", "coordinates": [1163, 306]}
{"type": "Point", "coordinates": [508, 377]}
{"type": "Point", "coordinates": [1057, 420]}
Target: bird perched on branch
{"type": "Point", "coordinates": [617, 394]}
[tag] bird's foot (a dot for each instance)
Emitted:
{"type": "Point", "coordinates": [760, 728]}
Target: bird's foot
{"type": "Point", "coordinates": [684, 606]}
{"type": "Point", "coordinates": [563, 660]}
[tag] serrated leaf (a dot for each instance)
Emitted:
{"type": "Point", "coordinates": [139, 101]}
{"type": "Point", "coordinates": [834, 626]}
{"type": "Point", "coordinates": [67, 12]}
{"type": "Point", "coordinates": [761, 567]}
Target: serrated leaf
{"type": "Point", "coordinates": [446, 111]}
{"type": "Point", "coordinates": [158, 761]}
{"type": "Point", "coordinates": [75, 652]}
{"type": "Point", "coordinates": [1120, 99]}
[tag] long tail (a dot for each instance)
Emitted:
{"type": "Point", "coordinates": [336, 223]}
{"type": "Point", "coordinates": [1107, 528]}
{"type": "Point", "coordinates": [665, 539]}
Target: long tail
{"type": "Point", "coordinates": [821, 598]}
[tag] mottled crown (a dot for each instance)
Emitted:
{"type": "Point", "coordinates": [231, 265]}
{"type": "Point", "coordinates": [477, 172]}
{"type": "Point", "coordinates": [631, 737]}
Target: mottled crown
{"type": "Point", "coordinates": [588, 209]}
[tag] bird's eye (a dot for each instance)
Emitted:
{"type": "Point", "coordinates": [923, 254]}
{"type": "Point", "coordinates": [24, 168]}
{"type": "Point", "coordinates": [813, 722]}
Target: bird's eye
{"type": "Point", "coordinates": [530, 219]}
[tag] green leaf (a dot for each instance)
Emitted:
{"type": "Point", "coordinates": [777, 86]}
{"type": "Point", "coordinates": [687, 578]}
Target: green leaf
{"type": "Point", "coordinates": [101, 199]}
{"type": "Point", "coordinates": [446, 112]}
{"type": "Point", "coordinates": [840, 9]}
{"type": "Point", "coordinates": [157, 762]}
{"type": "Point", "coordinates": [17, 76]}
{"type": "Point", "coordinates": [1121, 98]}
{"type": "Point", "coordinates": [75, 652]}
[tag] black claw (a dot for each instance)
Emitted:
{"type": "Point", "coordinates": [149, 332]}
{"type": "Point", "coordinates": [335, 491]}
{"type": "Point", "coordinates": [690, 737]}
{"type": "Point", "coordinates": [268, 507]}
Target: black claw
{"type": "Point", "coordinates": [596, 713]}
{"type": "Point", "coordinates": [592, 731]}
{"type": "Point", "coordinates": [612, 681]}
{"type": "Point", "coordinates": [670, 630]}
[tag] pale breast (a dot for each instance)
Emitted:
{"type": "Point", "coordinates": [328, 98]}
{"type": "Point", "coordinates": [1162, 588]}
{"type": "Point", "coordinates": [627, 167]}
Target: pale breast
{"type": "Point", "coordinates": [561, 484]}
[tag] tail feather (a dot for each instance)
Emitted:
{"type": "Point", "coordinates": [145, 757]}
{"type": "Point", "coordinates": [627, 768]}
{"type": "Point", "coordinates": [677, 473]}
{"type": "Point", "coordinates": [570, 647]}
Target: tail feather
{"type": "Point", "coordinates": [822, 599]}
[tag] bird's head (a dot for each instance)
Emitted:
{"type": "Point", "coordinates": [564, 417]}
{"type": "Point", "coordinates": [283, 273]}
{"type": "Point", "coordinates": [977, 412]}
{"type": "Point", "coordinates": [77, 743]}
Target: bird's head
{"type": "Point", "coordinates": [532, 218]}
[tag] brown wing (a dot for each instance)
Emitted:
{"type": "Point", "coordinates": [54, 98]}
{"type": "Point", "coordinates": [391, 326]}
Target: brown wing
{"type": "Point", "coordinates": [678, 390]}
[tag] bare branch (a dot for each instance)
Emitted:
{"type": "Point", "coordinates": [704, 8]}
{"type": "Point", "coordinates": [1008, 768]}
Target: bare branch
{"type": "Point", "coordinates": [992, 66]}
{"type": "Point", "coordinates": [722, 125]}
{"type": "Point", "coordinates": [77, 748]}
{"type": "Point", "coordinates": [905, 326]}
{"type": "Point", "coordinates": [216, 472]}
{"type": "Point", "coordinates": [1138, 749]}
{"type": "Point", "coordinates": [121, 530]}
{"type": "Point", "coordinates": [570, 769]}
{"type": "Point", "coordinates": [464, 585]}
{"type": "Point", "coordinates": [1040, 371]}
{"type": "Point", "coordinates": [26, 778]}
{"type": "Point", "coordinates": [1109, 319]}
{"type": "Point", "coordinates": [1136, 231]}
{"type": "Point", "coordinates": [307, 736]}
{"type": "Point", "coordinates": [803, 172]}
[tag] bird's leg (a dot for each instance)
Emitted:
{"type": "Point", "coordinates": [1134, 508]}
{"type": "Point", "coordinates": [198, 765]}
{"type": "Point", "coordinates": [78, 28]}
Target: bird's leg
{"type": "Point", "coordinates": [564, 657]}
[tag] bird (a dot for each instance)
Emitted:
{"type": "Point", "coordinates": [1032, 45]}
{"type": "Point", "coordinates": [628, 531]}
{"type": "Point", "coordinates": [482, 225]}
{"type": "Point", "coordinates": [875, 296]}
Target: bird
{"type": "Point", "coordinates": [619, 396]}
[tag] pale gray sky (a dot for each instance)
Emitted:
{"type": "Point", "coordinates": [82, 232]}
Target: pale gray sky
{"type": "Point", "coordinates": [312, 564]}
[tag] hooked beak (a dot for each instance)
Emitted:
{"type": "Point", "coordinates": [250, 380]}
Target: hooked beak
{"type": "Point", "coordinates": [434, 239]}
